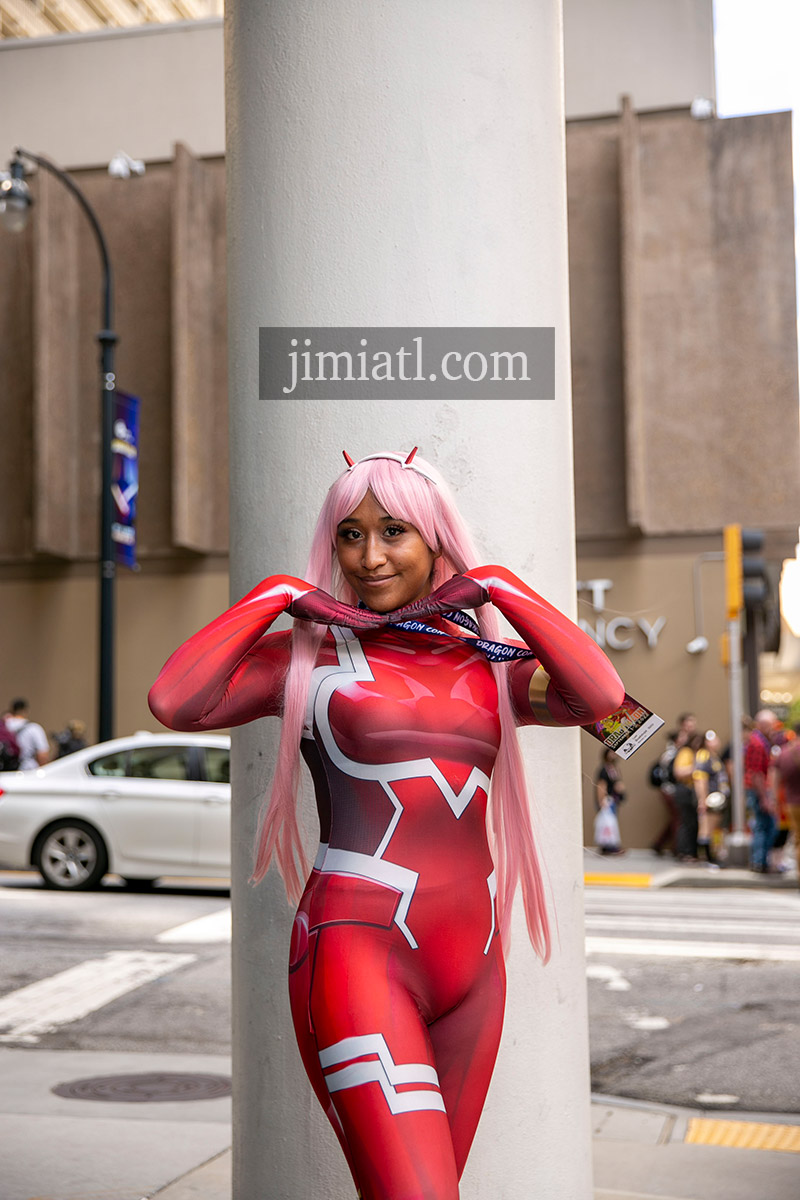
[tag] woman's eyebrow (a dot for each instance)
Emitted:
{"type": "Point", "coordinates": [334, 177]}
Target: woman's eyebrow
{"type": "Point", "coordinates": [355, 520]}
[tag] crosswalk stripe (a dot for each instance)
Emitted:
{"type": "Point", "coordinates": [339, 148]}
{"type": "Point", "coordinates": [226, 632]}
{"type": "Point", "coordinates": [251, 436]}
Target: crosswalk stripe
{"type": "Point", "coordinates": [41, 1007]}
{"type": "Point", "coordinates": [213, 927]}
{"type": "Point", "coordinates": [657, 923]}
{"type": "Point", "coordinates": [679, 949]}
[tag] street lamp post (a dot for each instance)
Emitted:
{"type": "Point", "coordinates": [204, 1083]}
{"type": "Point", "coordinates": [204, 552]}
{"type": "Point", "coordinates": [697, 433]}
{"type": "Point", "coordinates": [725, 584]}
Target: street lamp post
{"type": "Point", "coordinates": [15, 203]}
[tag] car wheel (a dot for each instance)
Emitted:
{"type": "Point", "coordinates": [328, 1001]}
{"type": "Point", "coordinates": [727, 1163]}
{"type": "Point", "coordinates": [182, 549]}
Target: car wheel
{"type": "Point", "coordinates": [138, 885]}
{"type": "Point", "coordinates": [71, 855]}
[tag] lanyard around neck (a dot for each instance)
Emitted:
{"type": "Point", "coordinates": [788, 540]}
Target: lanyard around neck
{"type": "Point", "coordinates": [494, 651]}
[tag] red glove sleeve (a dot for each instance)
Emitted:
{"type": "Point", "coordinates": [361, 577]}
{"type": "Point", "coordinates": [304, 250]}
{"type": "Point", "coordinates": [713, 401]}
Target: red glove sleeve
{"type": "Point", "coordinates": [582, 687]}
{"type": "Point", "coordinates": [569, 682]}
{"type": "Point", "coordinates": [225, 674]}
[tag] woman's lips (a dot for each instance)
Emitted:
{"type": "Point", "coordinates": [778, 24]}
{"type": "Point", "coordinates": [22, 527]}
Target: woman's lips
{"type": "Point", "coordinates": [377, 581]}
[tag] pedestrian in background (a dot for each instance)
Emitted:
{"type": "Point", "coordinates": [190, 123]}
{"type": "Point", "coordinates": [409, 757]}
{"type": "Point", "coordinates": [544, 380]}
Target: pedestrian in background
{"type": "Point", "coordinates": [609, 794]}
{"type": "Point", "coordinates": [761, 803]}
{"type": "Point", "coordinates": [662, 776]}
{"type": "Point", "coordinates": [686, 799]}
{"type": "Point", "coordinates": [787, 768]}
{"type": "Point", "coordinates": [9, 748]}
{"type": "Point", "coordinates": [70, 739]}
{"type": "Point", "coordinates": [710, 781]}
{"type": "Point", "coordinates": [34, 747]}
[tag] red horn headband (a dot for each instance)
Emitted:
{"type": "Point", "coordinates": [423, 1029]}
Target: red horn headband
{"type": "Point", "coordinates": [406, 463]}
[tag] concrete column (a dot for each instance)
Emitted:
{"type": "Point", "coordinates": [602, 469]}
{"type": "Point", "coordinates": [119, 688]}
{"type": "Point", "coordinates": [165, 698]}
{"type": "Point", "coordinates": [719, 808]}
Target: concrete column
{"type": "Point", "coordinates": [403, 164]}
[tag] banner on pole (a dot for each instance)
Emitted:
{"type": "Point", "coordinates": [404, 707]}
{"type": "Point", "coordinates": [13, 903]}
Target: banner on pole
{"type": "Point", "coordinates": [125, 477]}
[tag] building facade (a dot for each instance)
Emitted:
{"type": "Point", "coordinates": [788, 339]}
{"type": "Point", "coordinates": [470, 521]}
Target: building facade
{"type": "Point", "coordinates": [684, 357]}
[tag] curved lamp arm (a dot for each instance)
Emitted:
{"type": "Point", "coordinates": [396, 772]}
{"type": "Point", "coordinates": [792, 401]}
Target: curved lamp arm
{"type": "Point", "coordinates": [70, 183]}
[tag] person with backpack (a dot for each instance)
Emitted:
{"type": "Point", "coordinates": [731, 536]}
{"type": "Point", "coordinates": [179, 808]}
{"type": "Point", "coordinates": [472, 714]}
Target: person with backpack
{"type": "Point", "coordinates": [662, 777]}
{"type": "Point", "coordinates": [70, 739]}
{"type": "Point", "coordinates": [34, 748]}
{"type": "Point", "coordinates": [9, 749]}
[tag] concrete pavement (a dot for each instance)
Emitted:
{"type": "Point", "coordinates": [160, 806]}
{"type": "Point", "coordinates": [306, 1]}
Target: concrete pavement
{"type": "Point", "coordinates": [53, 1148]}
{"type": "Point", "coordinates": [57, 1148]}
{"type": "Point", "coordinates": [640, 1153]}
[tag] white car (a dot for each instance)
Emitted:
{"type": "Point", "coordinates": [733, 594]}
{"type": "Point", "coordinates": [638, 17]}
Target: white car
{"type": "Point", "coordinates": [143, 806]}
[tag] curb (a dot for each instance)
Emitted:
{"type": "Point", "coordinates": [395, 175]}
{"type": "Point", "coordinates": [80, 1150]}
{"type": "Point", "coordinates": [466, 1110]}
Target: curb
{"type": "Point", "coordinates": [702, 877]}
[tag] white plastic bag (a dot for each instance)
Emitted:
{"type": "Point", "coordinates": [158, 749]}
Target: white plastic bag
{"type": "Point", "coordinates": [606, 829]}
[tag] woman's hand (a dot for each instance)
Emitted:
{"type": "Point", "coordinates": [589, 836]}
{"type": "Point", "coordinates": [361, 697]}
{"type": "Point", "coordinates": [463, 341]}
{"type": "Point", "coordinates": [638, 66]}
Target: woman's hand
{"type": "Point", "coordinates": [318, 606]}
{"type": "Point", "coordinates": [459, 592]}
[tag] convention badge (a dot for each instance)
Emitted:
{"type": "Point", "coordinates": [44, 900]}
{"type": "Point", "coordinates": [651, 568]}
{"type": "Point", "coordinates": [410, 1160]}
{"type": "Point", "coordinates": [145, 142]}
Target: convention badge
{"type": "Point", "coordinates": [626, 729]}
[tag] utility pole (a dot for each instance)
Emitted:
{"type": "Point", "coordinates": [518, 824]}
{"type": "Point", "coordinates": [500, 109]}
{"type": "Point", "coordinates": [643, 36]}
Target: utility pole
{"type": "Point", "coordinates": [739, 837]}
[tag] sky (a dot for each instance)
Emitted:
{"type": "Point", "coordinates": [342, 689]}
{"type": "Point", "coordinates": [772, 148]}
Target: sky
{"type": "Point", "coordinates": [757, 44]}
{"type": "Point", "coordinates": [757, 52]}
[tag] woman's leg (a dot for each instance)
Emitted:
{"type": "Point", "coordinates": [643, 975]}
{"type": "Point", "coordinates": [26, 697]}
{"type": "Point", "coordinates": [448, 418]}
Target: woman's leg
{"type": "Point", "coordinates": [465, 1043]}
{"type": "Point", "coordinates": [370, 1059]}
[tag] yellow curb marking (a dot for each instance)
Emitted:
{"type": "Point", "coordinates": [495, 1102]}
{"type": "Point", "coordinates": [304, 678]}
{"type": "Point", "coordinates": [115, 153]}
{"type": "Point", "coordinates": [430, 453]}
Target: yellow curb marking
{"type": "Point", "coordinates": [743, 1135]}
{"type": "Point", "coordinates": [638, 881]}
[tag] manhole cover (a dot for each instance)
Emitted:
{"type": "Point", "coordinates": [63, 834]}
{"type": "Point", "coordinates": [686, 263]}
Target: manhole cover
{"type": "Point", "coordinates": [146, 1088]}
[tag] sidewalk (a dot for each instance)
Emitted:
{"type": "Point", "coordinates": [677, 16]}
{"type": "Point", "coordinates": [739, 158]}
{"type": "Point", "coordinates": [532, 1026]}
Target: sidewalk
{"type": "Point", "coordinates": [640, 1152]}
{"type": "Point", "coordinates": [53, 1148]}
{"type": "Point", "coordinates": [643, 868]}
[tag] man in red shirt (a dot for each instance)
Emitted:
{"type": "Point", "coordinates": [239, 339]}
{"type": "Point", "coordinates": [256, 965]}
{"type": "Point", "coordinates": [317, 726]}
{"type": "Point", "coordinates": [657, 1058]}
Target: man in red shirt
{"type": "Point", "coordinates": [788, 768]}
{"type": "Point", "coordinates": [760, 797]}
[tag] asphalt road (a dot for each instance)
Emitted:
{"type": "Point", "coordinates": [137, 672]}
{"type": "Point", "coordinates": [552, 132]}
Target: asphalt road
{"type": "Point", "coordinates": [692, 993]}
{"type": "Point", "coordinates": [695, 993]}
{"type": "Point", "coordinates": [149, 971]}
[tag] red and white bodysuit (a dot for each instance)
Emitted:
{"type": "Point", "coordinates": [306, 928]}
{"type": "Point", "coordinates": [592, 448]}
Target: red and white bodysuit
{"type": "Point", "coordinates": [396, 980]}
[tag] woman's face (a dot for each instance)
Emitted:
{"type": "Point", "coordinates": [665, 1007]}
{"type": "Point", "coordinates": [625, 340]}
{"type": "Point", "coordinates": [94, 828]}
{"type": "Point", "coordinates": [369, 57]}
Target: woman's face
{"type": "Point", "coordinates": [385, 560]}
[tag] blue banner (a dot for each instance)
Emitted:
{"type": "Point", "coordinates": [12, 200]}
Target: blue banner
{"type": "Point", "coordinates": [125, 477]}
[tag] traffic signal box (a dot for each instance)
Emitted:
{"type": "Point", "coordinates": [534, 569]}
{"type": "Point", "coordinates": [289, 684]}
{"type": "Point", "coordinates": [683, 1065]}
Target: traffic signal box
{"type": "Point", "coordinates": [734, 594]}
{"type": "Point", "coordinates": [748, 584]}
{"type": "Point", "coordinates": [755, 581]}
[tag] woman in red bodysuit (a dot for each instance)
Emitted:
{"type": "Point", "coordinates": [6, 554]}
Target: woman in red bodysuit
{"type": "Point", "coordinates": [396, 978]}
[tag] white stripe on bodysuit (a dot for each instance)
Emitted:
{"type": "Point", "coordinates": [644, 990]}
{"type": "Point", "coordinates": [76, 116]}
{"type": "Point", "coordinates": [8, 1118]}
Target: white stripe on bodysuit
{"type": "Point", "coordinates": [352, 667]}
{"type": "Point", "coordinates": [382, 1070]}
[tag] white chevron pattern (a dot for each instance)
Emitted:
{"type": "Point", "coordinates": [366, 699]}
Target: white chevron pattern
{"type": "Point", "coordinates": [382, 1070]}
{"type": "Point", "coordinates": [352, 667]}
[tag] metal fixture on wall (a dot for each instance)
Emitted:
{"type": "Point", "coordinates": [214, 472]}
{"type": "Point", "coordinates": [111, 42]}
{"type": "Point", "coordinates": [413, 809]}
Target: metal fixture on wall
{"type": "Point", "coordinates": [699, 643]}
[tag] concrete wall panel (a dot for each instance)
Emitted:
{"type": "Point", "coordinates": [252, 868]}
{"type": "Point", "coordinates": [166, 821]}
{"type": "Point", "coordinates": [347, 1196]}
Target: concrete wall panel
{"type": "Point", "coordinates": [685, 408]}
{"type": "Point", "coordinates": [596, 322]}
{"type": "Point", "coordinates": [199, 394]}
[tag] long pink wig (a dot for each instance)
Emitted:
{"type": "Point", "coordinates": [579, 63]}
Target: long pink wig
{"type": "Point", "coordinates": [409, 496]}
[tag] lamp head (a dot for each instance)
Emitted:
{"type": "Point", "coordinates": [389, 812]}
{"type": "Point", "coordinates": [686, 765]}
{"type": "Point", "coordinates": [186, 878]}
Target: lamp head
{"type": "Point", "coordinates": [122, 166]}
{"type": "Point", "coordinates": [15, 198]}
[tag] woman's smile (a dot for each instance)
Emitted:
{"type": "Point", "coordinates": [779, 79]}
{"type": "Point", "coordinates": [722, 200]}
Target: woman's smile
{"type": "Point", "coordinates": [385, 560]}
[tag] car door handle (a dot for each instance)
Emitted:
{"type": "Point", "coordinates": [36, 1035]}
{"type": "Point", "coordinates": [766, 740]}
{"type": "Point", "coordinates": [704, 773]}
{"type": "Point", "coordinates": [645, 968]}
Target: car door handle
{"type": "Point", "coordinates": [214, 800]}
{"type": "Point", "coordinates": [110, 795]}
